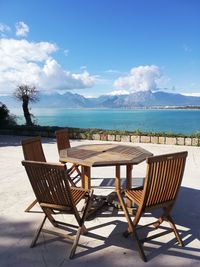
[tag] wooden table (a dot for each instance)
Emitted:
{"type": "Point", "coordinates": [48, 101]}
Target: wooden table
{"type": "Point", "coordinates": [99, 155]}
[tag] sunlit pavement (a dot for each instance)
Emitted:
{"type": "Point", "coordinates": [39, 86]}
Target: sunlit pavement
{"type": "Point", "coordinates": [104, 244]}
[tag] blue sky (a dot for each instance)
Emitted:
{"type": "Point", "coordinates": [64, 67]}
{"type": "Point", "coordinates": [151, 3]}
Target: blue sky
{"type": "Point", "coordinates": [95, 47]}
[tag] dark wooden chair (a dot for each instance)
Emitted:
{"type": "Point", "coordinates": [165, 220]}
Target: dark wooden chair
{"type": "Point", "coordinates": [32, 150]}
{"type": "Point", "coordinates": [54, 194]}
{"type": "Point", "coordinates": [162, 182]}
{"type": "Point", "coordinates": [62, 139]}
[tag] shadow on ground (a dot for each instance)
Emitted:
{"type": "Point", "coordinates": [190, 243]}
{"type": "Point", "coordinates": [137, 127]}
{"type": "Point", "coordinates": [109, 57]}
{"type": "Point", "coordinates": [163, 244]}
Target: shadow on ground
{"type": "Point", "coordinates": [104, 250]}
{"type": "Point", "coordinates": [9, 140]}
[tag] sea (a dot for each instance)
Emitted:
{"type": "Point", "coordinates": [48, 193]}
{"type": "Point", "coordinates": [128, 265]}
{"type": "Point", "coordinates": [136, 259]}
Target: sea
{"type": "Point", "coordinates": [183, 121]}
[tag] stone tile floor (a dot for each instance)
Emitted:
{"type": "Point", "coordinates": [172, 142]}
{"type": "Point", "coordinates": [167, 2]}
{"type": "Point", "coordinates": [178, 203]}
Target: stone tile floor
{"type": "Point", "coordinates": [104, 244]}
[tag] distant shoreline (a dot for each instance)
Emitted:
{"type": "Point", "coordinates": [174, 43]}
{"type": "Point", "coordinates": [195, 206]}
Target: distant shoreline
{"type": "Point", "coordinates": [120, 108]}
{"type": "Point", "coordinates": [175, 107]}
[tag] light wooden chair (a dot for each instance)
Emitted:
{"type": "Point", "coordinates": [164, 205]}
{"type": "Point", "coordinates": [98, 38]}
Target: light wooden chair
{"type": "Point", "coordinates": [162, 182]}
{"type": "Point", "coordinates": [32, 150]}
{"type": "Point", "coordinates": [62, 139]}
{"type": "Point", "coordinates": [54, 194]}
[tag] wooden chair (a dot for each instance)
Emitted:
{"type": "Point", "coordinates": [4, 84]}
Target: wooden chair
{"type": "Point", "coordinates": [162, 182]}
{"type": "Point", "coordinates": [62, 139]}
{"type": "Point", "coordinates": [32, 149]}
{"type": "Point", "coordinates": [54, 194]}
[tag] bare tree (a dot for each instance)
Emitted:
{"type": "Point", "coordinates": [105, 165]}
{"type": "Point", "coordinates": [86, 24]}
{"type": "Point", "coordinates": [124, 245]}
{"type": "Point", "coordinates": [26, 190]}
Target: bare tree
{"type": "Point", "coordinates": [26, 94]}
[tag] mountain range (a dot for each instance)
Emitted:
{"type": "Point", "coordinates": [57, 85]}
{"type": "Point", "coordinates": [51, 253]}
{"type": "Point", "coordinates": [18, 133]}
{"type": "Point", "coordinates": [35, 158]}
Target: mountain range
{"type": "Point", "coordinates": [142, 99]}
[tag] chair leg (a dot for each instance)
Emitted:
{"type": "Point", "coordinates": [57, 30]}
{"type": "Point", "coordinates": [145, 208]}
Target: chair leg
{"type": "Point", "coordinates": [82, 227]}
{"type": "Point", "coordinates": [38, 233]}
{"type": "Point", "coordinates": [87, 207]}
{"type": "Point", "coordinates": [166, 211]}
{"type": "Point", "coordinates": [158, 222]}
{"type": "Point", "coordinates": [78, 171]}
{"type": "Point", "coordinates": [121, 201]}
{"type": "Point", "coordinates": [70, 179]}
{"type": "Point", "coordinates": [173, 226]}
{"type": "Point", "coordinates": [131, 227]}
{"type": "Point", "coordinates": [74, 246]}
{"type": "Point", "coordinates": [48, 213]}
{"type": "Point", "coordinates": [139, 246]}
{"type": "Point", "coordinates": [171, 222]}
{"type": "Point", "coordinates": [72, 170]}
{"type": "Point", "coordinates": [31, 205]}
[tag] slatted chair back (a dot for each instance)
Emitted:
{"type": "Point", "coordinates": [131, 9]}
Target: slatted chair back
{"type": "Point", "coordinates": [164, 174]}
{"type": "Point", "coordinates": [62, 139]}
{"type": "Point", "coordinates": [50, 184]}
{"type": "Point", "coordinates": [32, 149]}
{"type": "Point", "coordinates": [163, 179]}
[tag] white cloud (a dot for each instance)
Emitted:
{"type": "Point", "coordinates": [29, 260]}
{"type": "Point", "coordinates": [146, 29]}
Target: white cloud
{"type": "Point", "coordinates": [119, 92]}
{"type": "Point", "coordinates": [64, 80]}
{"type": "Point", "coordinates": [4, 29]}
{"type": "Point", "coordinates": [142, 78]}
{"type": "Point", "coordinates": [32, 63]}
{"type": "Point", "coordinates": [13, 52]}
{"type": "Point", "coordinates": [22, 29]}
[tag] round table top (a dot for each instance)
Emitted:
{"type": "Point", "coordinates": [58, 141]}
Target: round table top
{"type": "Point", "coordinates": [104, 154]}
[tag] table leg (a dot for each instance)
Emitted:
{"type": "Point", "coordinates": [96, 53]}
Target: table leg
{"type": "Point", "coordinates": [129, 168]}
{"type": "Point", "coordinates": [82, 177]}
{"type": "Point", "coordinates": [118, 185]}
{"type": "Point", "coordinates": [117, 178]}
{"type": "Point", "coordinates": [86, 177]}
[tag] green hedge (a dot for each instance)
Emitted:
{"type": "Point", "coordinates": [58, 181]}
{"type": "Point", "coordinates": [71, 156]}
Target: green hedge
{"type": "Point", "coordinates": [50, 130]}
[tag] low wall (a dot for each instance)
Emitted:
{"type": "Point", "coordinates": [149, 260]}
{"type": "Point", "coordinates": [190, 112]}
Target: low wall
{"type": "Point", "coordinates": [188, 141]}
{"type": "Point", "coordinates": [106, 136]}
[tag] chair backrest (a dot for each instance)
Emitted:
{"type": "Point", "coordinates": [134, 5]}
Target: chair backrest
{"type": "Point", "coordinates": [50, 184]}
{"type": "Point", "coordinates": [62, 139]}
{"type": "Point", "coordinates": [32, 149]}
{"type": "Point", "coordinates": [163, 178]}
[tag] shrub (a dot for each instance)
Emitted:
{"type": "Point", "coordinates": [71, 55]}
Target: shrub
{"type": "Point", "coordinates": [6, 119]}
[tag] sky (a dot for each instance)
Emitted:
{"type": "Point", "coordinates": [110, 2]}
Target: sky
{"type": "Point", "coordinates": [98, 47]}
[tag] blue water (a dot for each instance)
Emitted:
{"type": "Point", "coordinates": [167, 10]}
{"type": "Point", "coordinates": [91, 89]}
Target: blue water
{"type": "Point", "coordinates": [175, 121]}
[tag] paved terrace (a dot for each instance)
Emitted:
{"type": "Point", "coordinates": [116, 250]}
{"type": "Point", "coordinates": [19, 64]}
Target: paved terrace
{"type": "Point", "coordinates": [104, 245]}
